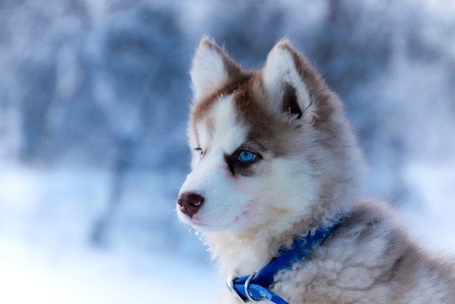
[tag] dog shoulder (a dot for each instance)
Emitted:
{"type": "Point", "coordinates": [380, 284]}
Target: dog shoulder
{"type": "Point", "coordinates": [371, 258]}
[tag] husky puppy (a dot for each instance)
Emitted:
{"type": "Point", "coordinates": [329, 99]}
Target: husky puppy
{"type": "Point", "coordinates": [273, 159]}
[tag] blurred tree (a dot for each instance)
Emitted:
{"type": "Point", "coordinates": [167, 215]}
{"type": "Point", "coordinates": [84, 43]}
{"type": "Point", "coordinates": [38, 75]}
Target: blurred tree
{"type": "Point", "coordinates": [249, 29]}
{"type": "Point", "coordinates": [139, 87]}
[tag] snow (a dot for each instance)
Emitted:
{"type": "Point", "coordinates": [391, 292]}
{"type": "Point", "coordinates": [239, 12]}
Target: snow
{"type": "Point", "coordinates": [45, 217]}
{"type": "Point", "coordinates": [32, 275]}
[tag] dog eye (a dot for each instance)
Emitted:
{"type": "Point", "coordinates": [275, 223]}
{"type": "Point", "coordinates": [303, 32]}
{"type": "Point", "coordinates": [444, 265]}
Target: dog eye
{"type": "Point", "coordinates": [246, 156]}
{"type": "Point", "coordinates": [199, 151]}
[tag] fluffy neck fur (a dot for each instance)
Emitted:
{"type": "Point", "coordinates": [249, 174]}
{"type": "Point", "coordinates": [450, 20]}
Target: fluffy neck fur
{"type": "Point", "coordinates": [242, 253]}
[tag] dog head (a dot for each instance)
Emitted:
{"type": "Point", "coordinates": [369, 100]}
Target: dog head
{"type": "Point", "coordinates": [268, 146]}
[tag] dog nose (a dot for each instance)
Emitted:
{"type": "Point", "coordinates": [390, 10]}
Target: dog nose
{"type": "Point", "coordinates": [190, 203]}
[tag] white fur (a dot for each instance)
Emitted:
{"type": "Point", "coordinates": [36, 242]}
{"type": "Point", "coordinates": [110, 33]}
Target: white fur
{"type": "Point", "coordinates": [266, 211]}
{"type": "Point", "coordinates": [227, 134]}
{"type": "Point", "coordinates": [207, 71]}
{"type": "Point", "coordinates": [210, 175]}
{"type": "Point", "coordinates": [280, 70]}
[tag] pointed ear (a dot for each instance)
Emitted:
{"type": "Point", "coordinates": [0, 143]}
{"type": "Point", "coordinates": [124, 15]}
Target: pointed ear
{"type": "Point", "coordinates": [284, 83]}
{"type": "Point", "coordinates": [211, 67]}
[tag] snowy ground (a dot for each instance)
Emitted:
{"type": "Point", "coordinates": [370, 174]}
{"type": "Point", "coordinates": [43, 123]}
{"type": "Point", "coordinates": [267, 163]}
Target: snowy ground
{"type": "Point", "coordinates": [32, 275]}
{"type": "Point", "coordinates": [45, 217]}
{"type": "Point", "coordinates": [45, 259]}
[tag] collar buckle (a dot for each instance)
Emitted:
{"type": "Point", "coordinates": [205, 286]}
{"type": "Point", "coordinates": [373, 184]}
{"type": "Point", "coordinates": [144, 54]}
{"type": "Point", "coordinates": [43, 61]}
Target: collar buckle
{"type": "Point", "coordinates": [230, 285]}
{"type": "Point", "coordinates": [246, 289]}
{"type": "Point", "coordinates": [246, 286]}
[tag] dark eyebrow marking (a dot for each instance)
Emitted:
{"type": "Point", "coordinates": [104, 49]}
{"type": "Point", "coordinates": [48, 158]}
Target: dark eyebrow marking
{"type": "Point", "coordinates": [203, 106]}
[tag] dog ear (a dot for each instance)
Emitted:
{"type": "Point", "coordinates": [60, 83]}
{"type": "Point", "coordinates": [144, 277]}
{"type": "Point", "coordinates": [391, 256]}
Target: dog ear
{"type": "Point", "coordinates": [282, 78]}
{"type": "Point", "coordinates": [211, 67]}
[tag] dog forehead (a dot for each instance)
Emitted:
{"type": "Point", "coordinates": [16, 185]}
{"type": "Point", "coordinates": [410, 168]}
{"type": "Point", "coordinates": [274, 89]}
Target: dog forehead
{"type": "Point", "coordinates": [237, 113]}
{"type": "Point", "coordinates": [205, 104]}
{"type": "Point", "coordinates": [221, 127]}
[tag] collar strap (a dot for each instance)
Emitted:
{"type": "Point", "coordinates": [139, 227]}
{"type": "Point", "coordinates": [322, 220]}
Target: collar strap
{"type": "Point", "coordinates": [256, 287]}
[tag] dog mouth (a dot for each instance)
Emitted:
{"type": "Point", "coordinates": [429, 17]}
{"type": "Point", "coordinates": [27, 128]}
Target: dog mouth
{"type": "Point", "coordinates": [199, 225]}
{"type": "Point", "coordinates": [218, 224]}
{"type": "Point", "coordinates": [203, 226]}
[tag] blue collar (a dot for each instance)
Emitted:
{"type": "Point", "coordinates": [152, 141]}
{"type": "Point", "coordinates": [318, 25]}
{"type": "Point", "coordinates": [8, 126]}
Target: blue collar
{"type": "Point", "coordinates": [256, 287]}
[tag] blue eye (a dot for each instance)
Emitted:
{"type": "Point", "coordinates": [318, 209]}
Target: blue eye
{"type": "Point", "coordinates": [246, 156]}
